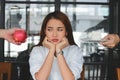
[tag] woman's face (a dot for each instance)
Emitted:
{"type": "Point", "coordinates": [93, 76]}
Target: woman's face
{"type": "Point", "coordinates": [55, 31]}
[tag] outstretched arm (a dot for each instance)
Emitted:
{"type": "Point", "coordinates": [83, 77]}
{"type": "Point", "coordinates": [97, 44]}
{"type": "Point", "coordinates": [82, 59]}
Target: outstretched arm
{"type": "Point", "coordinates": [7, 34]}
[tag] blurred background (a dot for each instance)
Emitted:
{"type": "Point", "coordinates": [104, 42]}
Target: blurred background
{"type": "Point", "coordinates": [91, 20]}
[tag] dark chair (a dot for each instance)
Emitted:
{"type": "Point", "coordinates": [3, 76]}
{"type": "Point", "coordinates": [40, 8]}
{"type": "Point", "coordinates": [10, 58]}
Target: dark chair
{"type": "Point", "coordinates": [95, 68]}
{"type": "Point", "coordinates": [23, 56]}
{"type": "Point", "coordinates": [22, 66]}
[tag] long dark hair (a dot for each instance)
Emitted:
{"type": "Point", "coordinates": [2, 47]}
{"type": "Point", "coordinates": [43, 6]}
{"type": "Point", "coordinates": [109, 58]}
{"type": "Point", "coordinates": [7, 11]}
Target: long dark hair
{"type": "Point", "coordinates": [64, 19]}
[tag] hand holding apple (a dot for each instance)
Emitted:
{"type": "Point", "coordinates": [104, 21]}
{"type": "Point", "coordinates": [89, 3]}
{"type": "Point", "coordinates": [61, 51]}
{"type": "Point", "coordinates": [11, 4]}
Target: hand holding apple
{"type": "Point", "coordinates": [20, 36]}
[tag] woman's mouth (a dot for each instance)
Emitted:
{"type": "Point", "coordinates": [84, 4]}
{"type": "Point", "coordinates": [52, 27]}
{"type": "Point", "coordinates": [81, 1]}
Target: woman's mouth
{"type": "Point", "coordinates": [55, 40]}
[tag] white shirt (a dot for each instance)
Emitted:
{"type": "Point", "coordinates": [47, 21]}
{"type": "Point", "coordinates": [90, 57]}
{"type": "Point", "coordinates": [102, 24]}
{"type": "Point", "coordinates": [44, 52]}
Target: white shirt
{"type": "Point", "coordinates": [73, 57]}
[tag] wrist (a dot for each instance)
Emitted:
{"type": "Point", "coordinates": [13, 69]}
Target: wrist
{"type": "Point", "coordinates": [60, 52]}
{"type": "Point", "coordinates": [2, 31]}
{"type": "Point", "coordinates": [52, 50]}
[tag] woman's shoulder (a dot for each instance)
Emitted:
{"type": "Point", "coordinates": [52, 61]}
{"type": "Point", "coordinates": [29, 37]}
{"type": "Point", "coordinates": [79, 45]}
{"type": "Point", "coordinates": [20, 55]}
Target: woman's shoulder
{"type": "Point", "coordinates": [74, 47]}
{"type": "Point", "coordinates": [36, 48]}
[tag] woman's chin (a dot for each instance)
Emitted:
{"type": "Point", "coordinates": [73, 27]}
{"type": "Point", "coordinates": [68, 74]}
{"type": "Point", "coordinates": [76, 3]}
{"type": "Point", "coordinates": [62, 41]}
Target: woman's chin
{"type": "Point", "coordinates": [55, 43]}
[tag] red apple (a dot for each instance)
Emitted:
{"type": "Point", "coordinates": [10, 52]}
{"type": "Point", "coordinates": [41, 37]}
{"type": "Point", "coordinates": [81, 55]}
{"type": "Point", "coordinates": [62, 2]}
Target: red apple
{"type": "Point", "coordinates": [20, 36]}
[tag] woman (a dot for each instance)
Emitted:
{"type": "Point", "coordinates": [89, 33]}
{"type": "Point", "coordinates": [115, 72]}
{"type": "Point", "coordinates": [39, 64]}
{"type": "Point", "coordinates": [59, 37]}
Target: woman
{"type": "Point", "coordinates": [56, 57]}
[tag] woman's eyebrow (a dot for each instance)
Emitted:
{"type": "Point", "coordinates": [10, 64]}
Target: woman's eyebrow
{"type": "Point", "coordinates": [61, 27]}
{"type": "Point", "coordinates": [49, 27]}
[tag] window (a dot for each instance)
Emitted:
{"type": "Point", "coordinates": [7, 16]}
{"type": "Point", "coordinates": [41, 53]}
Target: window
{"type": "Point", "coordinates": [28, 17]}
{"type": "Point", "coordinates": [84, 0]}
{"type": "Point", "coordinates": [31, 0]}
{"type": "Point", "coordinates": [90, 24]}
{"type": "Point", "coordinates": [89, 19]}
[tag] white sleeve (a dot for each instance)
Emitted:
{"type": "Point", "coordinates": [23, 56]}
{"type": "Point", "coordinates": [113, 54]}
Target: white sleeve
{"type": "Point", "coordinates": [35, 61]}
{"type": "Point", "coordinates": [76, 61]}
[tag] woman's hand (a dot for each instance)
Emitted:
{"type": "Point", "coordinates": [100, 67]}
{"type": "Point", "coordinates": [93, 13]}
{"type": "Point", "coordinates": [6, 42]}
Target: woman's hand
{"type": "Point", "coordinates": [62, 44]}
{"type": "Point", "coordinates": [48, 44]}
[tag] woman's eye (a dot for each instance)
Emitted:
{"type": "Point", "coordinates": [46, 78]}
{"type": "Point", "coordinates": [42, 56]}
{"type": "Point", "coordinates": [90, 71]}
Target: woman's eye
{"type": "Point", "coordinates": [60, 29]}
{"type": "Point", "coordinates": [49, 29]}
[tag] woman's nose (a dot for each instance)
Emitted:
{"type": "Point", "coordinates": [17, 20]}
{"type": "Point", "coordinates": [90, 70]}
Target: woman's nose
{"type": "Point", "coordinates": [55, 33]}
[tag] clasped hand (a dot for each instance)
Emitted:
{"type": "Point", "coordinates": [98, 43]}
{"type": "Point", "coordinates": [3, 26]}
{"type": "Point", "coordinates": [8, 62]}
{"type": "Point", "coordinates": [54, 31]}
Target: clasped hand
{"type": "Point", "coordinates": [56, 47]}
